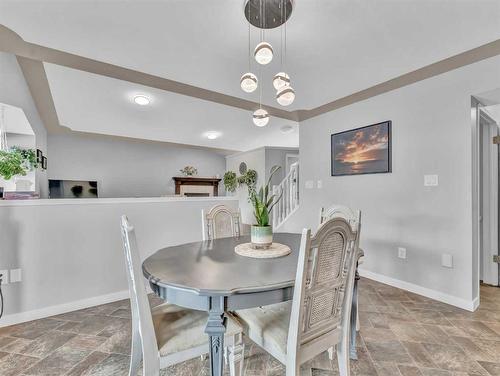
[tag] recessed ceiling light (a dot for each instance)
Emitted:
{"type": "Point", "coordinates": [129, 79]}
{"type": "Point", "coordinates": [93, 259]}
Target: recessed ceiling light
{"type": "Point", "coordinates": [212, 135]}
{"type": "Point", "coordinates": [287, 129]}
{"type": "Point", "coordinates": [141, 100]}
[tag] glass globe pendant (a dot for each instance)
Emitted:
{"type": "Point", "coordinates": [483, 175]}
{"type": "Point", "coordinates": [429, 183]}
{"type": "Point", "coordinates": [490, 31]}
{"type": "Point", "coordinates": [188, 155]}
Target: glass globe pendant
{"type": "Point", "coordinates": [285, 96]}
{"type": "Point", "coordinates": [248, 82]}
{"type": "Point", "coordinates": [263, 53]}
{"type": "Point", "coordinates": [281, 80]}
{"type": "Point", "coordinates": [260, 117]}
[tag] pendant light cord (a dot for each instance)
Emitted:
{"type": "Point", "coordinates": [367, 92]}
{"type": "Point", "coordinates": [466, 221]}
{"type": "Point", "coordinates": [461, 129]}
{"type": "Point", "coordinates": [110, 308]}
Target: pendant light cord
{"type": "Point", "coordinates": [281, 37]}
{"type": "Point", "coordinates": [249, 63]}
{"type": "Point", "coordinates": [284, 64]}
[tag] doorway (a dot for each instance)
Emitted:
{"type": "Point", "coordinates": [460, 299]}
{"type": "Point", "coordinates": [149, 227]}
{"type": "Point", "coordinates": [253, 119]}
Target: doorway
{"type": "Point", "coordinates": [486, 205]}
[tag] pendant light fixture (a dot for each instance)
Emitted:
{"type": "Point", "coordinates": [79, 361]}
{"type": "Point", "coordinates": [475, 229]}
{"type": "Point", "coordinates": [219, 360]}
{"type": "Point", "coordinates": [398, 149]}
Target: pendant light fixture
{"type": "Point", "coordinates": [285, 94]}
{"type": "Point", "coordinates": [263, 52]}
{"type": "Point", "coordinates": [260, 116]}
{"type": "Point", "coordinates": [248, 81]}
{"type": "Point", "coordinates": [281, 80]}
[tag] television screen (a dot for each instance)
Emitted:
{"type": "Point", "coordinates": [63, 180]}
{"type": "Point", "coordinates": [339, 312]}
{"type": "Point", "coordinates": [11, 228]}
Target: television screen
{"type": "Point", "coordinates": [72, 189]}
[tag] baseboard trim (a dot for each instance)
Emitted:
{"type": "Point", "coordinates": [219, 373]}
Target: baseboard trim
{"type": "Point", "coordinates": [17, 318]}
{"type": "Point", "coordinates": [424, 291]}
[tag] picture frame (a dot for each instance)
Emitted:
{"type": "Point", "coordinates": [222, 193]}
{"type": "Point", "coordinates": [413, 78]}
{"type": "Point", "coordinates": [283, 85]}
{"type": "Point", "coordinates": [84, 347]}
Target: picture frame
{"type": "Point", "coordinates": [363, 150]}
{"type": "Point", "coordinates": [44, 162]}
{"type": "Point", "coordinates": [39, 156]}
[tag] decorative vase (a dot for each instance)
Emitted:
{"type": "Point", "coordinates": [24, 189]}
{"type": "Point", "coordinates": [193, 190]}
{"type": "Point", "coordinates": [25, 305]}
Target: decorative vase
{"type": "Point", "coordinates": [261, 236]}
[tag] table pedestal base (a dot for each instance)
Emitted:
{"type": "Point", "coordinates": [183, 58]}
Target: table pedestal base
{"type": "Point", "coordinates": [216, 327]}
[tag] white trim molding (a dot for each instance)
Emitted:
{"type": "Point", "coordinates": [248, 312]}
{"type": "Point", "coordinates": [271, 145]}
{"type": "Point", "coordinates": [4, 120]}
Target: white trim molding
{"type": "Point", "coordinates": [41, 313]}
{"type": "Point", "coordinates": [469, 305]}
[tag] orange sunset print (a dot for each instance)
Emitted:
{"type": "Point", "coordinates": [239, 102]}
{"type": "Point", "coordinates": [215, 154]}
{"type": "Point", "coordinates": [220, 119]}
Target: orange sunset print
{"type": "Point", "coordinates": [364, 150]}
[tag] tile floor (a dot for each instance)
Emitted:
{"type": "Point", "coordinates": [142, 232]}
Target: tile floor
{"type": "Point", "coordinates": [401, 334]}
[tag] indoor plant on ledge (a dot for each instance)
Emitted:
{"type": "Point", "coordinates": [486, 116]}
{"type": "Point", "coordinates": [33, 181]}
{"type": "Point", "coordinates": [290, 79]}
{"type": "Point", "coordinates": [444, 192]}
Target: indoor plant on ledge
{"type": "Point", "coordinates": [17, 161]}
{"type": "Point", "coordinates": [262, 232]}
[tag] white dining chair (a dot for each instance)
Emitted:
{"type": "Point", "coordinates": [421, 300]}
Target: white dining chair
{"type": "Point", "coordinates": [220, 222]}
{"type": "Point", "coordinates": [354, 219]}
{"type": "Point", "coordinates": [319, 315]}
{"type": "Point", "coordinates": [168, 334]}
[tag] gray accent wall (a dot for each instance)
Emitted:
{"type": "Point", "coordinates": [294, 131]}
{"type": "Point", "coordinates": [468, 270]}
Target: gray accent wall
{"type": "Point", "coordinates": [127, 168]}
{"type": "Point", "coordinates": [431, 128]}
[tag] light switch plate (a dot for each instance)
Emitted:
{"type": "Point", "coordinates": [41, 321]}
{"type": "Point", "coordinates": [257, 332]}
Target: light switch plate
{"type": "Point", "coordinates": [431, 180]}
{"type": "Point", "coordinates": [402, 253]}
{"type": "Point", "coordinates": [16, 275]}
{"type": "Point", "coordinates": [309, 184]}
{"type": "Point", "coordinates": [447, 260]}
{"type": "Point", "coordinates": [320, 184]}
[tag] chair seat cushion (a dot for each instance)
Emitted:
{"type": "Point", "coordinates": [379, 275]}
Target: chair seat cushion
{"type": "Point", "coordinates": [268, 326]}
{"type": "Point", "coordinates": [178, 329]}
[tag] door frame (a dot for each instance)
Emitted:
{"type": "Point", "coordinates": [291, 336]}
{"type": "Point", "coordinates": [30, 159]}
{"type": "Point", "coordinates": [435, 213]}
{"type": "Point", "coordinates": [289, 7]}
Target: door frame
{"type": "Point", "coordinates": [289, 156]}
{"type": "Point", "coordinates": [477, 113]}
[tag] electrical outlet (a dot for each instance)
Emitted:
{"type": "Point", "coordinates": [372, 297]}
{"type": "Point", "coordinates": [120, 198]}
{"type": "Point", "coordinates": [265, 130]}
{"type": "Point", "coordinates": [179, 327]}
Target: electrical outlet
{"type": "Point", "coordinates": [16, 275]}
{"type": "Point", "coordinates": [5, 277]}
{"type": "Point", "coordinates": [447, 260]}
{"type": "Point", "coordinates": [320, 184]}
{"type": "Point", "coordinates": [431, 180]}
{"type": "Point", "coordinates": [402, 253]}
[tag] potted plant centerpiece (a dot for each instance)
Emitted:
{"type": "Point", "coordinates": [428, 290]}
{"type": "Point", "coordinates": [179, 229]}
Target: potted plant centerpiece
{"type": "Point", "coordinates": [263, 203]}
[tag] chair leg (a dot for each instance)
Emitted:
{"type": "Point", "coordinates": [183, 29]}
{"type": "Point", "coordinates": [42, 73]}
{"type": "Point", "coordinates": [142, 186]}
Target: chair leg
{"type": "Point", "coordinates": [236, 355]}
{"type": "Point", "coordinates": [136, 353]}
{"type": "Point", "coordinates": [343, 356]}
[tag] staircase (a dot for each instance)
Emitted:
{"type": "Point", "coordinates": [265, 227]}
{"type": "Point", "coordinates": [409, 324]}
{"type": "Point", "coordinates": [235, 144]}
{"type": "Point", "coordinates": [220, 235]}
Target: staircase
{"type": "Point", "coordinates": [289, 203]}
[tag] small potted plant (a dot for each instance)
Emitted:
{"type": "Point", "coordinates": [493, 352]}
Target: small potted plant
{"type": "Point", "coordinates": [263, 203]}
{"type": "Point", "coordinates": [189, 171]}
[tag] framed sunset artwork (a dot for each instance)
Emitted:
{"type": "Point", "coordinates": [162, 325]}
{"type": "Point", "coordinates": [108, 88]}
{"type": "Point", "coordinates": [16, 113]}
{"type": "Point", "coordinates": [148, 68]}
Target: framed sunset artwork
{"type": "Point", "coordinates": [365, 150]}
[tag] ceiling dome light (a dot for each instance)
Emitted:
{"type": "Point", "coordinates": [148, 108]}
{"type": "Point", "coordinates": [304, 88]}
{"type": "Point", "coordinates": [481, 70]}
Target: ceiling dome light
{"type": "Point", "coordinates": [141, 100]}
{"type": "Point", "coordinates": [281, 80]}
{"type": "Point", "coordinates": [285, 129]}
{"type": "Point", "coordinates": [263, 53]}
{"type": "Point", "coordinates": [285, 96]}
{"type": "Point", "coordinates": [260, 117]}
{"type": "Point", "coordinates": [212, 135]}
{"type": "Point", "coordinates": [248, 82]}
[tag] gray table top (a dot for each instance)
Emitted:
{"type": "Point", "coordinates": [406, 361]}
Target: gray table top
{"type": "Point", "coordinates": [213, 268]}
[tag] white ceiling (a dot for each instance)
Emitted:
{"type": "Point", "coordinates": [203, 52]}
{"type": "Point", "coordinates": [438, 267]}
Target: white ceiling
{"type": "Point", "coordinates": [15, 121]}
{"type": "Point", "coordinates": [98, 104]}
{"type": "Point", "coordinates": [336, 47]}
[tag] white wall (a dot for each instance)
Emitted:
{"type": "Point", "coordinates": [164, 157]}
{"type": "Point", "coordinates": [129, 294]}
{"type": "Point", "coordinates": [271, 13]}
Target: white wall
{"type": "Point", "coordinates": [127, 168]}
{"type": "Point", "coordinates": [431, 123]}
{"type": "Point", "coordinates": [70, 251]}
{"type": "Point", "coordinates": [260, 160]}
{"type": "Point", "coordinates": [15, 92]}
{"type": "Point", "coordinates": [277, 157]}
{"type": "Point", "coordinates": [255, 160]}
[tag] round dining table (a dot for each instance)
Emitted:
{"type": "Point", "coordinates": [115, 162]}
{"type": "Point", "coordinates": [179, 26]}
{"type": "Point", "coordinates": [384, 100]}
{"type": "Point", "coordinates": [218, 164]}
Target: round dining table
{"type": "Point", "coordinates": [209, 276]}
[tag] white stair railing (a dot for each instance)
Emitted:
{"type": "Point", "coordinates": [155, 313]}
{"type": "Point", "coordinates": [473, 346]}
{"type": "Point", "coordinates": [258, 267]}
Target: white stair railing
{"type": "Point", "coordinates": [289, 202]}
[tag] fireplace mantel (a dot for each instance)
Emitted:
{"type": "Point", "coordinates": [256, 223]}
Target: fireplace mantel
{"type": "Point", "coordinates": [195, 181]}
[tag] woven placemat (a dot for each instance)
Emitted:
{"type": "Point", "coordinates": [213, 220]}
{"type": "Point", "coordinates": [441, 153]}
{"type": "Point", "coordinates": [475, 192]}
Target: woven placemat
{"type": "Point", "coordinates": [274, 250]}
